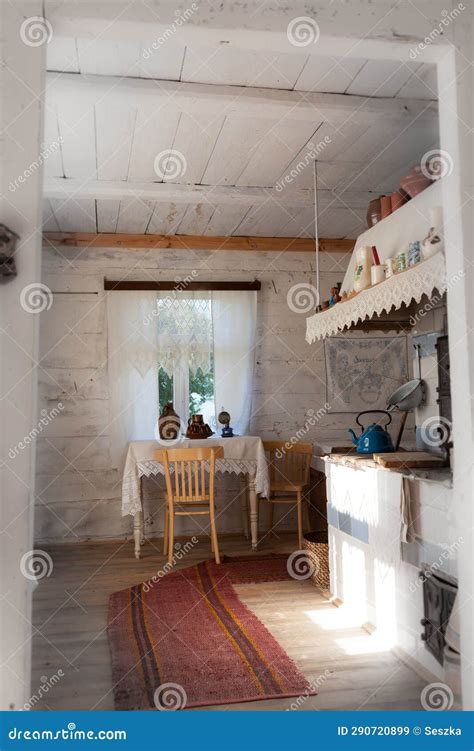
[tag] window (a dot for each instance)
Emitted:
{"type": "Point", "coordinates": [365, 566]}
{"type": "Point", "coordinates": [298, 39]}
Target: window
{"type": "Point", "coordinates": [186, 360]}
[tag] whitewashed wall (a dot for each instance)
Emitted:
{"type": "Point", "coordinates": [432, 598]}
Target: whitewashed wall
{"type": "Point", "coordinates": [78, 488]}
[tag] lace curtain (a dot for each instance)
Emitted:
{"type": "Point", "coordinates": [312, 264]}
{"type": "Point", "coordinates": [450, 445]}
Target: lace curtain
{"type": "Point", "coordinates": [184, 325]}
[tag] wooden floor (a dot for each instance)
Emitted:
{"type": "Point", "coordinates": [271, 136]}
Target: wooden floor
{"type": "Point", "coordinates": [350, 669]}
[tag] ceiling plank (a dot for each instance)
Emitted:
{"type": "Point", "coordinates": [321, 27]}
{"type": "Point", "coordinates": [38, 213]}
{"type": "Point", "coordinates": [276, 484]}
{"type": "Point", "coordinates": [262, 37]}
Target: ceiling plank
{"type": "Point", "coordinates": [196, 242]}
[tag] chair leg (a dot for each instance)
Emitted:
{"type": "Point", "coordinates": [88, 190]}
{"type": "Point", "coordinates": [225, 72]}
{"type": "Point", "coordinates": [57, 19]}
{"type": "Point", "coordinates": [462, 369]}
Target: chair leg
{"type": "Point", "coordinates": [307, 519]}
{"type": "Point", "coordinates": [215, 545]}
{"type": "Point", "coordinates": [272, 508]}
{"type": "Point", "coordinates": [171, 537]}
{"type": "Point", "coordinates": [300, 520]}
{"type": "Point", "coordinates": [165, 532]}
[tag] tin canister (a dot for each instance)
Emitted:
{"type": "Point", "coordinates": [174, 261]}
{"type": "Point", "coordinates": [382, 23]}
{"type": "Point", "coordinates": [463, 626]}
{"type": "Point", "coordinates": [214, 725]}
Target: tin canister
{"type": "Point", "coordinates": [414, 253]}
{"type": "Point", "coordinates": [401, 264]}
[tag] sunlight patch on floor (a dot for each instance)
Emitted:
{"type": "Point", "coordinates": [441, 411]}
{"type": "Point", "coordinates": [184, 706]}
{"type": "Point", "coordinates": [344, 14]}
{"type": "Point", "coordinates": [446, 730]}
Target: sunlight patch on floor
{"type": "Point", "coordinates": [365, 644]}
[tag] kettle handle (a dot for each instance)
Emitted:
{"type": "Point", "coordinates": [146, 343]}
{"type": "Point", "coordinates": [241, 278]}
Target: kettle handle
{"type": "Point", "coordinates": [373, 411]}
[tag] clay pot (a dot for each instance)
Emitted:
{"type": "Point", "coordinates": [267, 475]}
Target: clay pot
{"type": "Point", "coordinates": [169, 423]}
{"type": "Point", "coordinates": [397, 199]}
{"type": "Point", "coordinates": [374, 212]}
{"type": "Point", "coordinates": [386, 206]}
{"type": "Point", "coordinates": [415, 182]}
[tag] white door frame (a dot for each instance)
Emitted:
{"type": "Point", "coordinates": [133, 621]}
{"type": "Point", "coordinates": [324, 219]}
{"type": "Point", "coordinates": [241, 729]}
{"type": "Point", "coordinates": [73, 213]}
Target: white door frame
{"type": "Point", "coordinates": [21, 116]}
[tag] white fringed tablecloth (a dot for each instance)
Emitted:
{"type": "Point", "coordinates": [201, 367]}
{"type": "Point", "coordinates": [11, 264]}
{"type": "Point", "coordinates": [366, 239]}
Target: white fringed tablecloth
{"type": "Point", "coordinates": [242, 455]}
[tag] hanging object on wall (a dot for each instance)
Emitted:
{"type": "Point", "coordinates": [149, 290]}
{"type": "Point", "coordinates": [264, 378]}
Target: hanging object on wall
{"type": "Point", "coordinates": [362, 373]}
{"type": "Point", "coordinates": [8, 240]}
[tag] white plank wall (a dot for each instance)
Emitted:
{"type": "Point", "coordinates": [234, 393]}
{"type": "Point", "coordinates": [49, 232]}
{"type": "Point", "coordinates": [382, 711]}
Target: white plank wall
{"type": "Point", "coordinates": [78, 488]}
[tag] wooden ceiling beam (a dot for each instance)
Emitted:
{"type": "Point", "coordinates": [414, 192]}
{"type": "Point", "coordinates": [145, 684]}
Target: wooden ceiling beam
{"type": "Point", "coordinates": [196, 242]}
{"type": "Point", "coordinates": [222, 100]}
{"type": "Point", "coordinates": [214, 195]}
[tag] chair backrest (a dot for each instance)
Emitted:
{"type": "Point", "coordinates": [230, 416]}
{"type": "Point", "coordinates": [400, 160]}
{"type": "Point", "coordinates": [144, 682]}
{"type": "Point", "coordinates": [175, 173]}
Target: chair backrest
{"type": "Point", "coordinates": [289, 462]}
{"type": "Point", "coordinates": [187, 478]}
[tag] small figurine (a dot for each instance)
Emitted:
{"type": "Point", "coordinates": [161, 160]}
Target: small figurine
{"type": "Point", "coordinates": [432, 243]}
{"type": "Point", "coordinates": [335, 296]}
{"type": "Point", "coordinates": [224, 418]}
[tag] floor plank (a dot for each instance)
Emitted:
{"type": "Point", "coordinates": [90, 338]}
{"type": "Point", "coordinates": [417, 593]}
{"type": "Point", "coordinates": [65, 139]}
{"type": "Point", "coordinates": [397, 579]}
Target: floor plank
{"type": "Point", "coordinates": [70, 613]}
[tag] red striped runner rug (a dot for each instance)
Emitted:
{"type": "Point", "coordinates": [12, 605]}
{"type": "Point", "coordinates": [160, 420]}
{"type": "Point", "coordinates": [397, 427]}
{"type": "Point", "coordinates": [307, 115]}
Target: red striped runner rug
{"type": "Point", "coordinates": [187, 640]}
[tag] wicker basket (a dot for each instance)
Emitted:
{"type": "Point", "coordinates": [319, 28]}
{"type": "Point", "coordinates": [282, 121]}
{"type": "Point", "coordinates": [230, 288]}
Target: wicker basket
{"type": "Point", "coordinates": [317, 548]}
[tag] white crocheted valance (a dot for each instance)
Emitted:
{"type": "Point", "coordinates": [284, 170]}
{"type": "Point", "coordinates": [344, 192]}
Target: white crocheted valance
{"type": "Point", "coordinates": [402, 288]}
{"type": "Point", "coordinates": [184, 325]}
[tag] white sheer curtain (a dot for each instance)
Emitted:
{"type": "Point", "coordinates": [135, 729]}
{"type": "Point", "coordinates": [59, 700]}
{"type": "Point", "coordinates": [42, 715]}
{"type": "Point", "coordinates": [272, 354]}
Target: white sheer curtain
{"type": "Point", "coordinates": [234, 322]}
{"type": "Point", "coordinates": [147, 331]}
{"type": "Point", "coordinates": [133, 369]}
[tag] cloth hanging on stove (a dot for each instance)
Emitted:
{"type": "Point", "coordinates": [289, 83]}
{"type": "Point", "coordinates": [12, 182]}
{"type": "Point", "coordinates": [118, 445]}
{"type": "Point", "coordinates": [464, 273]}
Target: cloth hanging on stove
{"type": "Point", "coordinates": [407, 532]}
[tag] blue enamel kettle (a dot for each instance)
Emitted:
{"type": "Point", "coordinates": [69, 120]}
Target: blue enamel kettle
{"type": "Point", "coordinates": [375, 439]}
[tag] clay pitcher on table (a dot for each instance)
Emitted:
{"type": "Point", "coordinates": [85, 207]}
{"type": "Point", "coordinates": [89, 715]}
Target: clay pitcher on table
{"type": "Point", "coordinates": [169, 423]}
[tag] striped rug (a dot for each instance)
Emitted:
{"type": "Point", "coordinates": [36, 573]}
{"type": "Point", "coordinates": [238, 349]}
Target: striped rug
{"type": "Point", "coordinates": [187, 640]}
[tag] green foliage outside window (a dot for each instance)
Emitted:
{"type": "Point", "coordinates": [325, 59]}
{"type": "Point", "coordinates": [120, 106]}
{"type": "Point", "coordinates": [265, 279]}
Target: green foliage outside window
{"type": "Point", "coordinates": [201, 389]}
{"type": "Point", "coordinates": [165, 388]}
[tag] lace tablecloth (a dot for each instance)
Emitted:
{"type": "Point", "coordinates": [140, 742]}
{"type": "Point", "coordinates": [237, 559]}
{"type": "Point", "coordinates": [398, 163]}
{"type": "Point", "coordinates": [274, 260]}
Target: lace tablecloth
{"type": "Point", "coordinates": [242, 455]}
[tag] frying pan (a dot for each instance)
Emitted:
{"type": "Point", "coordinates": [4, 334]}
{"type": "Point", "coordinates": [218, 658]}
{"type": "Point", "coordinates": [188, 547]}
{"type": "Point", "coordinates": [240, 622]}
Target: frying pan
{"type": "Point", "coordinates": [407, 397]}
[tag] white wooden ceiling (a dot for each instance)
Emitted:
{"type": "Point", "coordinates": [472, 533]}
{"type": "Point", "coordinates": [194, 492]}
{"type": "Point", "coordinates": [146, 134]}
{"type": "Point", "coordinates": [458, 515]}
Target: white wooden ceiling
{"type": "Point", "coordinates": [240, 122]}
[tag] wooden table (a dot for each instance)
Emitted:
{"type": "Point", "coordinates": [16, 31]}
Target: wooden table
{"type": "Point", "coordinates": [243, 455]}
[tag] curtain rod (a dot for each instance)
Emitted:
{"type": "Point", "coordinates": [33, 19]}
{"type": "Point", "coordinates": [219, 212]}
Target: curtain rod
{"type": "Point", "coordinates": [183, 286]}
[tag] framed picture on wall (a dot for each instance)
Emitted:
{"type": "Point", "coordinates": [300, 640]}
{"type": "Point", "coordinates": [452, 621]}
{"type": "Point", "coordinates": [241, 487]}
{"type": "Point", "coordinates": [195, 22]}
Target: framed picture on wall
{"type": "Point", "coordinates": [361, 372]}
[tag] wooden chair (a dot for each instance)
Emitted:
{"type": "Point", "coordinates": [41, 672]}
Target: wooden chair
{"type": "Point", "coordinates": [189, 489]}
{"type": "Point", "coordinates": [289, 475]}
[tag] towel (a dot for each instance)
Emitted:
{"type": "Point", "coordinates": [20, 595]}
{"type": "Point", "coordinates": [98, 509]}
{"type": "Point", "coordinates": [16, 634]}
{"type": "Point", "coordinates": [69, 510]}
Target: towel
{"type": "Point", "coordinates": [407, 532]}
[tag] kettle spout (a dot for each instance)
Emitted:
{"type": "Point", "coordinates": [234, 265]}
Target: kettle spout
{"type": "Point", "coordinates": [354, 437]}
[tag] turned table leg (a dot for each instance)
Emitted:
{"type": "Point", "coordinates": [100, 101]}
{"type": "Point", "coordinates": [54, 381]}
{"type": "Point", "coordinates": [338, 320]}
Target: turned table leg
{"type": "Point", "coordinates": [253, 512]}
{"type": "Point", "coordinates": [138, 532]}
{"type": "Point", "coordinates": [244, 505]}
